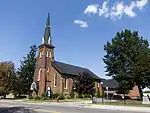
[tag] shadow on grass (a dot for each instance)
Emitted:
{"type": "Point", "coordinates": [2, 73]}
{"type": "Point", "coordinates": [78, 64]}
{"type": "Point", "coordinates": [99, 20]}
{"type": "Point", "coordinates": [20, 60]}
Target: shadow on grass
{"type": "Point", "coordinates": [16, 110]}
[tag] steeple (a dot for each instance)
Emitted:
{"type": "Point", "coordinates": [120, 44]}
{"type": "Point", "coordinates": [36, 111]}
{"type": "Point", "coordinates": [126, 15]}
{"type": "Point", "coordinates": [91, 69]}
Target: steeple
{"type": "Point", "coordinates": [47, 34]}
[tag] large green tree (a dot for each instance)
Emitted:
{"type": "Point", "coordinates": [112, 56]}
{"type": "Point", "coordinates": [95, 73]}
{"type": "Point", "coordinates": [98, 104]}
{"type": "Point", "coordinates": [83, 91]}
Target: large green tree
{"type": "Point", "coordinates": [84, 84]}
{"type": "Point", "coordinates": [123, 53]}
{"type": "Point", "coordinates": [26, 70]}
{"type": "Point", "coordinates": [7, 73]}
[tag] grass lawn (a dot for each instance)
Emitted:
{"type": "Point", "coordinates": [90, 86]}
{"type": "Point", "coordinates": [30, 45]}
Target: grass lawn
{"type": "Point", "coordinates": [134, 103]}
{"type": "Point", "coordinates": [53, 100]}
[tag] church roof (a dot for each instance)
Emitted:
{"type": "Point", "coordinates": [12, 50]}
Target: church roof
{"type": "Point", "coordinates": [110, 83]}
{"type": "Point", "coordinates": [68, 69]}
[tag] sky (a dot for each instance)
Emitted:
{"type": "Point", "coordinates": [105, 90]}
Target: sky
{"type": "Point", "coordinates": [79, 28]}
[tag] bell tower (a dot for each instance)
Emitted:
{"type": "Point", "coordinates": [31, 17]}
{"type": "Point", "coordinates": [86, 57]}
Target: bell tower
{"type": "Point", "coordinates": [44, 59]}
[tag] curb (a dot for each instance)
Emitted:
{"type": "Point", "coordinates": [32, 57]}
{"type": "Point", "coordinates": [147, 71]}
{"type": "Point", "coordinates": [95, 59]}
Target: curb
{"type": "Point", "coordinates": [120, 108]}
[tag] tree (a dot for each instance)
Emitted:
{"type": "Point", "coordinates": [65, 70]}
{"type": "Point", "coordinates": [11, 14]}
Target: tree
{"type": "Point", "coordinates": [141, 69]}
{"type": "Point", "coordinates": [26, 70]}
{"type": "Point", "coordinates": [7, 73]}
{"type": "Point", "coordinates": [122, 54]}
{"type": "Point", "coordinates": [84, 84]}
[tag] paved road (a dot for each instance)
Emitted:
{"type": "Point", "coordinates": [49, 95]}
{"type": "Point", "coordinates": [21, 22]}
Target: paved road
{"type": "Point", "coordinates": [19, 107]}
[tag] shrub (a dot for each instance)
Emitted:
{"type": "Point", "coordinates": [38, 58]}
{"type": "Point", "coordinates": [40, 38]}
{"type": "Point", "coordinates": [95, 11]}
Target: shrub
{"type": "Point", "coordinates": [87, 96]}
{"type": "Point", "coordinates": [54, 96]}
{"type": "Point", "coordinates": [98, 93]}
{"type": "Point", "coordinates": [72, 94]}
{"type": "Point", "coordinates": [68, 97]}
{"type": "Point", "coordinates": [36, 98]}
{"type": "Point", "coordinates": [61, 96]}
{"type": "Point", "coordinates": [80, 96]}
{"type": "Point", "coordinates": [30, 97]}
{"type": "Point", "coordinates": [44, 96]}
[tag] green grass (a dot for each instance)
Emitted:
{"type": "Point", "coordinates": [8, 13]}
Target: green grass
{"type": "Point", "coordinates": [128, 103]}
{"type": "Point", "coordinates": [54, 100]}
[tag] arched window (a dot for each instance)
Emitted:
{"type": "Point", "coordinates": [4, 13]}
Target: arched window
{"type": "Point", "coordinates": [39, 74]}
{"type": "Point", "coordinates": [55, 79]}
{"type": "Point", "coordinates": [50, 54]}
{"type": "Point", "coordinates": [40, 54]}
{"type": "Point", "coordinates": [47, 54]}
{"type": "Point", "coordinates": [47, 69]}
{"type": "Point", "coordinates": [66, 83]}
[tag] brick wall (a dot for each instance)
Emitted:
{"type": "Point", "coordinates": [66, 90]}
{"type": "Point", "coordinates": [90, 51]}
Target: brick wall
{"type": "Point", "coordinates": [134, 92]}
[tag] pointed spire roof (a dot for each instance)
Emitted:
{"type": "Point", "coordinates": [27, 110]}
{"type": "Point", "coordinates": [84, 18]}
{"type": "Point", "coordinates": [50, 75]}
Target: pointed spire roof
{"type": "Point", "coordinates": [47, 33]}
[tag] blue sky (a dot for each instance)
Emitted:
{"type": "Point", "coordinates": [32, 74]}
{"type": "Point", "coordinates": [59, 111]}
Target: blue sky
{"type": "Point", "coordinates": [79, 28]}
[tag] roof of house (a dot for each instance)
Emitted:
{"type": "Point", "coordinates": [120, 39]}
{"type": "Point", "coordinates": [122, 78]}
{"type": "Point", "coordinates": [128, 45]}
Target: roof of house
{"type": "Point", "coordinates": [68, 69]}
{"type": "Point", "coordinates": [110, 83]}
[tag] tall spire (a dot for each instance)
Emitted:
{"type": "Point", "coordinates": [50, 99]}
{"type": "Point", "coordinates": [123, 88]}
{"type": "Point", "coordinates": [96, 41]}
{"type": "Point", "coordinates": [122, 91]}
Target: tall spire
{"type": "Point", "coordinates": [47, 34]}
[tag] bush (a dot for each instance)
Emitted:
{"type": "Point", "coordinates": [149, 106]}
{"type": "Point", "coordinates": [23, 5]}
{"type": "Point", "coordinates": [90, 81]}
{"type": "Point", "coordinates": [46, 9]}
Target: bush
{"type": "Point", "coordinates": [61, 96]}
{"type": "Point", "coordinates": [80, 96]}
{"type": "Point", "coordinates": [30, 97]}
{"type": "Point", "coordinates": [54, 96]}
{"type": "Point", "coordinates": [72, 94]}
{"type": "Point", "coordinates": [98, 93]}
{"type": "Point", "coordinates": [36, 98]}
{"type": "Point", "coordinates": [44, 96]}
{"type": "Point", "coordinates": [87, 96]}
{"type": "Point", "coordinates": [68, 97]}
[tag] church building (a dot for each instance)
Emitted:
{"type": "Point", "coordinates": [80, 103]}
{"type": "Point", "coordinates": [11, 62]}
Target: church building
{"type": "Point", "coordinates": [54, 75]}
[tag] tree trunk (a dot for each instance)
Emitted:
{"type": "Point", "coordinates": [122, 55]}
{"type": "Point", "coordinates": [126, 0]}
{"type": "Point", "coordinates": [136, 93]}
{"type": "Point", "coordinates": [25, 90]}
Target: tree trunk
{"type": "Point", "coordinates": [140, 91]}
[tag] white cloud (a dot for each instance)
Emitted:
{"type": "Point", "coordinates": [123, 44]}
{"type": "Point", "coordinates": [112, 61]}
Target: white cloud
{"type": "Point", "coordinates": [91, 9]}
{"type": "Point", "coordinates": [117, 10]}
{"type": "Point", "coordinates": [104, 9]}
{"type": "Point", "coordinates": [81, 23]}
{"type": "Point", "coordinates": [141, 3]}
{"type": "Point", "coordinates": [128, 10]}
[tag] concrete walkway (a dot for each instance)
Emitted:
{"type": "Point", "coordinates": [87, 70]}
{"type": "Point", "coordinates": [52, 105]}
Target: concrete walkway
{"type": "Point", "coordinates": [121, 108]}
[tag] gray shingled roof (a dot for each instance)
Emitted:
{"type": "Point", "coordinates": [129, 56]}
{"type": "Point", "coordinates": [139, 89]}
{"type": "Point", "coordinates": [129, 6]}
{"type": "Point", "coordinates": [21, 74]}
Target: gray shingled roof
{"type": "Point", "coordinates": [111, 83]}
{"type": "Point", "coordinates": [68, 69]}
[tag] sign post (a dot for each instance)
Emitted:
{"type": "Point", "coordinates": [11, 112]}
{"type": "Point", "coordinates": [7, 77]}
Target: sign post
{"type": "Point", "coordinates": [107, 93]}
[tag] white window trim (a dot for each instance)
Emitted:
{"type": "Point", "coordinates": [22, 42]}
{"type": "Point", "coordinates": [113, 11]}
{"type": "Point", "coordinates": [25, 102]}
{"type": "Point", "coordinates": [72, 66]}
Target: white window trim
{"type": "Point", "coordinates": [66, 84]}
{"type": "Point", "coordinates": [55, 79]}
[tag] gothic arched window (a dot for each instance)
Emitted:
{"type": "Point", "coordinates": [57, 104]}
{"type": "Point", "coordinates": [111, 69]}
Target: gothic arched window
{"type": "Point", "coordinates": [50, 54]}
{"type": "Point", "coordinates": [39, 74]}
{"type": "Point", "coordinates": [47, 54]}
{"type": "Point", "coordinates": [55, 79]}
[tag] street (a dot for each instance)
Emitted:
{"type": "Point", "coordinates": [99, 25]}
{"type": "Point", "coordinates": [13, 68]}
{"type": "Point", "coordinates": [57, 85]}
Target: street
{"type": "Point", "coordinates": [21, 107]}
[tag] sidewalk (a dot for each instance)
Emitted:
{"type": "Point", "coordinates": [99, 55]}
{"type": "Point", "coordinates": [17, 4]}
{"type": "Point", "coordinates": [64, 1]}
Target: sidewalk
{"type": "Point", "coordinates": [121, 108]}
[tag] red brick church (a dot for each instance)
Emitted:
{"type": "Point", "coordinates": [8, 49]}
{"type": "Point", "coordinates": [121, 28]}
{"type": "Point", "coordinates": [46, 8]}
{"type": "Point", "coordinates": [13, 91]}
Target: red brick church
{"type": "Point", "coordinates": [59, 77]}
{"type": "Point", "coordinates": [51, 74]}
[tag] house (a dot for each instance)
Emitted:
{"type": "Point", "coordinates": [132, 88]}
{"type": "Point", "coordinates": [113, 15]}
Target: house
{"type": "Point", "coordinates": [110, 86]}
{"type": "Point", "coordinates": [51, 74]}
